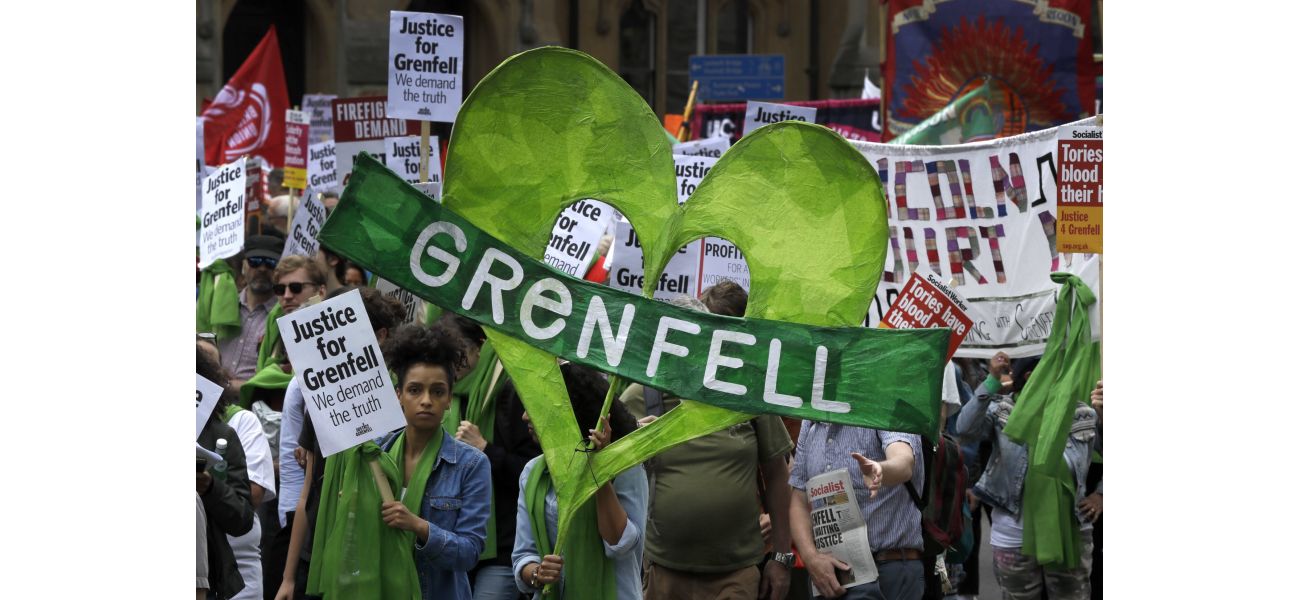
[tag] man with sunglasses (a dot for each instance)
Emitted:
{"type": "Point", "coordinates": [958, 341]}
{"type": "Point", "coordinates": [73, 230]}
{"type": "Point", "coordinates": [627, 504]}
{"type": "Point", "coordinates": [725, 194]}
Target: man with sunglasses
{"type": "Point", "coordinates": [256, 300]}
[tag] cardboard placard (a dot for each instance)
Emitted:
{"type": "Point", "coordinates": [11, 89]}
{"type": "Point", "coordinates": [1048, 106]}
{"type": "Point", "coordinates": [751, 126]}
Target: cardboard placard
{"type": "Point", "coordinates": [576, 234]}
{"type": "Point", "coordinates": [412, 304]}
{"type": "Point", "coordinates": [425, 58]}
{"type": "Point", "coordinates": [206, 395]}
{"type": "Point", "coordinates": [758, 114]}
{"type": "Point", "coordinates": [923, 303]}
{"type": "Point", "coordinates": [317, 107]}
{"type": "Point", "coordinates": [402, 156]}
{"type": "Point", "coordinates": [221, 217]}
{"type": "Point", "coordinates": [360, 125]}
{"type": "Point", "coordinates": [712, 147]}
{"type": "Point", "coordinates": [345, 382]}
{"type": "Point", "coordinates": [322, 174]}
{"type": "Point", "coordinates": [627, 272]}
{"type": "Point", "coordinates": [307, 221]}
{"type": "Point", "coordinates": [297, 128]}
{"type": "Point", "coordinates": [1078, 190]}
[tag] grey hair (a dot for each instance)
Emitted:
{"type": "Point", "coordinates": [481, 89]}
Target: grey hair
{"type": "Point", "coordinates": [690, 302]}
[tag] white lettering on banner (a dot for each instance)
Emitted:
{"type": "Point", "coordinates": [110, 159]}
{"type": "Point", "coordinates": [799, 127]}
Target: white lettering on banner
{"type": "Point", "coordinates": [819, 386]}
{"type": "Point", "coordinates": [770, 395]}
{"type": "Point", "coordinates": [483, 275]}
{"type": "Point", "coordinates": [663, 346]}
{"type": "Point", "coordinates": [987, 224]}
{"type": "Point", "coordinates": [534, 299]}
{"type": "Point", "coordinates": [612, 343]}
{"type": "Point", "coordinates": [436, 253]}
{"type": "Point", "coordinates": [716, 359]}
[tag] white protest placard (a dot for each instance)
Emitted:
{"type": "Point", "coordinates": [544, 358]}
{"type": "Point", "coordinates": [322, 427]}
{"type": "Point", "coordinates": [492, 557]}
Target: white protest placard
{"type": "Point", "coordinates": [412, 304]}
{"type": "Point", "coordinates": [627, 273]}
{"type": "Point", "coordinates": [307, 221]}
{"type": "Point", "coordinates": [318, 111]}
{"type": "Point", "coordinates": [982, 216]}
{"type": "Point", "coordinates": [712, 147]}
{"type": "Point", "coordinates": [758, 114]}
{"type": "Point", "coordinates": [344, 380]}
{"type": "Point", "coordinates": [690, 172]}
{"type": "Point", "coordinates": [221, 231]}
{"type": "Point", "coordinates": [322, 175]}
{"type": "Point", "coordinates": [360, 125]}
{"type": "Point", "coordinates": [402, 156]}
{"type": "Point", "coordinates": [198, 166]}
{"type": "Point", "coordinates": [425, 56]}
{"type": "Point", "coordinates": [432, 189]}
{"type": "Point", "coordinates": [206, 395]}
{"type": "Point", "coordinates": [575, 236]}
{"type": "Point", "coordinates": [721, 260]}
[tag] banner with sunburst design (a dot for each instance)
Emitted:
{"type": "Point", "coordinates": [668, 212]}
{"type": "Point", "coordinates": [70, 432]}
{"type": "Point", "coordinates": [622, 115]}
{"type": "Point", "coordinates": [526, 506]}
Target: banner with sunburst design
{"type": "Point", "coordinates": [1034, 56]}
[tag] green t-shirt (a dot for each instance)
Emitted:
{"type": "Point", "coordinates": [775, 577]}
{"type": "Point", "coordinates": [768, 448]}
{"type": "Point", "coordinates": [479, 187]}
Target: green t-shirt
{"type": "Point", "coordinates": [704, 507]}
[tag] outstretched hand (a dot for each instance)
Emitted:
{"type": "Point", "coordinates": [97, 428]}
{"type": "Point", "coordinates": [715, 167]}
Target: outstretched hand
{"type": "Point", "coordinates": [872, 473]}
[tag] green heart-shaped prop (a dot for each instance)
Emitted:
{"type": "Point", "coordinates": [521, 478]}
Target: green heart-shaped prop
{"type": "Point", "coordinates": [550, 127]}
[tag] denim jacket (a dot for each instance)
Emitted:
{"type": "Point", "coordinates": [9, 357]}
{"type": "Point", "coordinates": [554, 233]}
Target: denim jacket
{"type": "Point", "coordinates": [1003, 482]}
{"type": "Point", "coordinates": [456, 504]}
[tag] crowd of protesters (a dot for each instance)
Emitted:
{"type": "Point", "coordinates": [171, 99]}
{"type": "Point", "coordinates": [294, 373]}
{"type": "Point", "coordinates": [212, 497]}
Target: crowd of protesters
{"type": "Point", "coordinates": [725, 515]}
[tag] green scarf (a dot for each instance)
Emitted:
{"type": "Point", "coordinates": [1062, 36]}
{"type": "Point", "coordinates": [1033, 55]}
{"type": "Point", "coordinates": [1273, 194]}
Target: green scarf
{"type": "Point", "coordinates": [218, 306]}
{"type": "Point", "coordinates": [270, 378]}
{"type": "Point", "coordinates": [266, 350]}
{"type": "Point", "coordinates": [420, 478]}
{"type": "Point", "coordinates": [588, 573]}
{"type": "Point", "coordinates": [1041, 421]}
{"type": "Point", "coordinates": [354, 554]}
{"type": "Point", "coordinates": [480, 409]}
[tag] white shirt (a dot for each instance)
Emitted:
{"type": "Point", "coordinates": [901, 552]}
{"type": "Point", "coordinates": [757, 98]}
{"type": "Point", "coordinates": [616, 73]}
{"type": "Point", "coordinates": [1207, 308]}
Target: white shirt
{"type": "Point", "coordinates": [257, 451]}
{"type": "Point", "coordinates": [291, 473]}
{"type": "Point", "coordinates": [950, 394]}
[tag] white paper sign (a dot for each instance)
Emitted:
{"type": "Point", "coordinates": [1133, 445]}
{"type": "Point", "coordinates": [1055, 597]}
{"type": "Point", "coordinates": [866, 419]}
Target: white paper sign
{"type": "Point", "coordinates": [432, 189]}
{"type": "Point", "coordinates": [758, 114]}
{"type": "Point", "coordinates": [575, 236]}
{"type": "Point", "coordinates": [722, 260]}
{"type": "Point", "coordinates": [626, 271]}
{"type": "Point", "coordinates": [413, 305]}
{"type": "Point", "coordinates": [307, 221]}
{"type": "Point", "coordinates": [425, 60]}
{"type": "Point", "coordinates": [199, 169]}
{"type": "Point", "coordinates": [344, 380]}
{"type": "Point", "coordinates": [402, 156]}
{"type": "Point", "coordinates": [317, 107]}
{"type": "Point", "coordinates": [222, 214]}
{"type": "Point", "coordinates": [322, 172]}
{"type": "Point", "coordinates": [690, 171]}
{"type": "Point", "coordinates": [712, 147]}
{"type": "Point", "coordinates": [206, 395]}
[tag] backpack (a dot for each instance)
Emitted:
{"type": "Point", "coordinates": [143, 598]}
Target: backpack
{"type": "Point", "coordinates": [945, 527]}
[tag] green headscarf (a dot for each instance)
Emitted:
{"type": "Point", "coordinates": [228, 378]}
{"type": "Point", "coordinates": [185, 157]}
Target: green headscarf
{"type": "Point", "coordinates": [354, 553]}
{"type": "Point", "coordinates": [1041, 420]}
{"type": "Point", "coordinates": [479, 396]}
{"type": "Point", "coordinates": [588, 573]}
{"type": "Point", "coordinates": [218, 306]}
{"type": "Point", "coordinates": [270, 378]}
{"type": "Point", "coordinates": [266, 350]}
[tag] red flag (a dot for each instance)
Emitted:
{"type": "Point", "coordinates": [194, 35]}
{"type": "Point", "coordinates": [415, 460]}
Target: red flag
{"type": "Point", "coordinates": [247, 116]}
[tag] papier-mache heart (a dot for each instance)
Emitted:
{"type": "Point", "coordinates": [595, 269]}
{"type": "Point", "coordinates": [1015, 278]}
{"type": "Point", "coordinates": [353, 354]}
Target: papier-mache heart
{"type": "Point", "coordinates": [552, 126]}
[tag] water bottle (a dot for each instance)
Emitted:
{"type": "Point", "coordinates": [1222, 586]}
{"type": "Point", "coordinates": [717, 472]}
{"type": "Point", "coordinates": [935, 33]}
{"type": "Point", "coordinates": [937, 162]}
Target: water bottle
{"type": "Point", "coordinates": [219, 469]}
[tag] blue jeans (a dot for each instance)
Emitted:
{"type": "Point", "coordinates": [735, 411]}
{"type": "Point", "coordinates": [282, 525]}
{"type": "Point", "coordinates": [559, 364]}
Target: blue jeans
{"type": "Point", "coordinates": [495, 582]}
{"type": "Point", "coordinates": [899, 580]}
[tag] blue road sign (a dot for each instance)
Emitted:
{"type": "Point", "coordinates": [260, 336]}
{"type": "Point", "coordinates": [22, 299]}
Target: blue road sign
{"type": "Point", "coordinates": [739, 76]}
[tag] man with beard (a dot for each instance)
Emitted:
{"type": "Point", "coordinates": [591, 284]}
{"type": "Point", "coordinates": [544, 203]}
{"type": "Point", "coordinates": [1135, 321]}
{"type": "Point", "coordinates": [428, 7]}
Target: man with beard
{"type": "Point", "coordinates": [239, 354]}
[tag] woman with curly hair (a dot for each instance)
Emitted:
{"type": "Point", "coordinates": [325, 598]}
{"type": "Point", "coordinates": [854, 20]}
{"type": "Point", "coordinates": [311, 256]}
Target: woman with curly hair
{"type": "Point", "coordinates": [446, 482]}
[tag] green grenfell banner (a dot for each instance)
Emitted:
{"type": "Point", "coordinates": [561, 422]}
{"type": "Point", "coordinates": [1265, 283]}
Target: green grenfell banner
{"type": "Point", "coordinates": [550, 127]}
{"type": "Point", "coordinates": [878, 378]}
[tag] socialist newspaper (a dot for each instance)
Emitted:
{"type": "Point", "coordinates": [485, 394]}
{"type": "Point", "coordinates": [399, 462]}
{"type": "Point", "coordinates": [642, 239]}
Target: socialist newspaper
{"type": "Point", "coordinates": [838, 526]}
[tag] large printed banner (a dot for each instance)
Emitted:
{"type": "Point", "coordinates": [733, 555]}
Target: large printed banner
{"type": "Point", "coordinates": [983, 218]}
{"type": "Point", "coordinates": [1036, 55]}
{"type": "Point", "coordinates": [747, 365]}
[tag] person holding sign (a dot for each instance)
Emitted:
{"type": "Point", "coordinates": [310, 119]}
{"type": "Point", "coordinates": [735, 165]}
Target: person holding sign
{"type": "Point", "coordinates": [227, 500]}
{"type": "Point", "coordinates": [446, 484]}
{"type": "Point", "coordinates": [606, 537]}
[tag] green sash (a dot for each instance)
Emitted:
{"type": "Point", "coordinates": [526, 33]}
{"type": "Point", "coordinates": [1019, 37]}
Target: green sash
{"type": "Point", "coordinates": [479, 397]}
{"type": "Point", "coordinates": [588, 573]}
{"type": "Point", "coordinates": [218, 306]}
{"type": "Point", "coordinates": [1041, 421]}
{"type": "Point", "coordinates": [420, 478]}
{"type": "Point", "coordinates": [265, 350]}
{"type": "Point", "coordinates": [354, 554]}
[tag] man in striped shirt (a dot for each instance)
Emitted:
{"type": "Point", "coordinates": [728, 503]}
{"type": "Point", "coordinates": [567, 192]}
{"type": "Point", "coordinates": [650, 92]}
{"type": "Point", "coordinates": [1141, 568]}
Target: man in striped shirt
{"type": "Point", "coordinates": [886, 460]}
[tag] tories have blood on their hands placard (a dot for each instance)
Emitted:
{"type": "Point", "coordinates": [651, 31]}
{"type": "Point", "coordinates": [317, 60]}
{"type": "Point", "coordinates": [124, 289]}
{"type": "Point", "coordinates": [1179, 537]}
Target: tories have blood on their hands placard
{"type": "Point", "coordinates": [924, 302]}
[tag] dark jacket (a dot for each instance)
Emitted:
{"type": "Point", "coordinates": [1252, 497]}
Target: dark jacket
{"type": "Point", "coordinates": [229, 508]}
